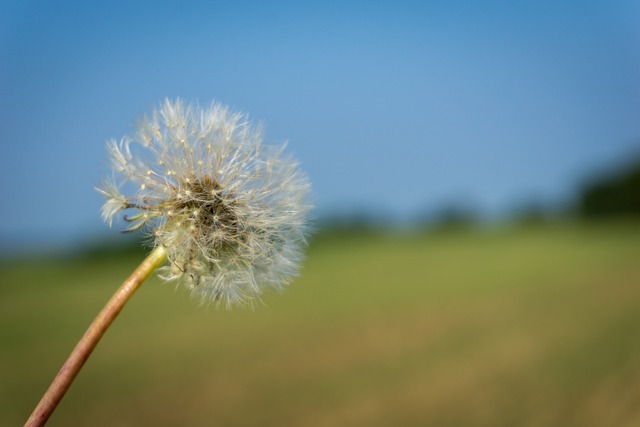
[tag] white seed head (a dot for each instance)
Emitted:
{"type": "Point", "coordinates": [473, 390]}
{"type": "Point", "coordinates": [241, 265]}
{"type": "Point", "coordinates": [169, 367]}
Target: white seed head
{"type": "Point", "coordinates": [230, 211]}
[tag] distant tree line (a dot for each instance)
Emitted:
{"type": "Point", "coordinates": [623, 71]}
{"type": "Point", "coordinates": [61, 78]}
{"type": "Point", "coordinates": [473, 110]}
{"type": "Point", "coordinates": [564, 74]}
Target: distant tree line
{"type": "Point", "coordinates": [606, 195]}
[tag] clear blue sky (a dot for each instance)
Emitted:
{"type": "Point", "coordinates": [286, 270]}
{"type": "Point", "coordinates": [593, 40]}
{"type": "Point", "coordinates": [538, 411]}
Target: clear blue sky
{"type": "Point", "coordinates": [395, 106]}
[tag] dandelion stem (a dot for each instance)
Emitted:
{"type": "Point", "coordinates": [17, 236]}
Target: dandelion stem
{"type": "Point", "coordinates": [90, 339]}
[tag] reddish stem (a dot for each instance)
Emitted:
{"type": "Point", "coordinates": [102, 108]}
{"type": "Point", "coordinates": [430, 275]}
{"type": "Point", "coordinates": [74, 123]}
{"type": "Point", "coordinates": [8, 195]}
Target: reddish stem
{"type": "Point", "coordinates": [90, 339]}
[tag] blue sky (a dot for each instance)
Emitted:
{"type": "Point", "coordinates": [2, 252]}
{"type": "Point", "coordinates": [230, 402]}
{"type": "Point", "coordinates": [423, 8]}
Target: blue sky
{"type": "Point", "coordinates": [399, 107]}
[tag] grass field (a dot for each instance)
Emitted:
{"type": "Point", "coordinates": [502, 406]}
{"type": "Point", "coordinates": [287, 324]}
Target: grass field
{"type": "Point", "coordinates": [509, 327]}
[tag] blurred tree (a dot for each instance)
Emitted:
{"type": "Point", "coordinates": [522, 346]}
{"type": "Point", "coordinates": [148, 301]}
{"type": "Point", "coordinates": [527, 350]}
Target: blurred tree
{"type": "Point", "coordinates": [613, 195]}
{"type": "Point", "coordinates": [453, 216]}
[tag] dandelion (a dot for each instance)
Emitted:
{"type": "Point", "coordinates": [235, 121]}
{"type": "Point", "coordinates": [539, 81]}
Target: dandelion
{"type": "Point", "coordinates": [229, 211]}
{"type": "Point", "coordinates": [226, 215]}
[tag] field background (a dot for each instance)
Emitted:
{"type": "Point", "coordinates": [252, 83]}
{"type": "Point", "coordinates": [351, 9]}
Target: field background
{"type": "Point", "coordinates": [514, 326]}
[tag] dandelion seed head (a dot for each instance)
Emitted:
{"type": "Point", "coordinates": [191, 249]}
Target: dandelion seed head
{"type": "Point", "coordinates": [230, 211]}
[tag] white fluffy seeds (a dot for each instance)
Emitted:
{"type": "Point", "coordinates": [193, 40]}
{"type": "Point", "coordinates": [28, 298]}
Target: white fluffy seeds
{"type": "Point", "coordinates": [230, 211]}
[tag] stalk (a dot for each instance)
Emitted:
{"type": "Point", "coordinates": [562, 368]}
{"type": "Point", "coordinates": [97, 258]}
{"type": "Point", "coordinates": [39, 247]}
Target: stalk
{"type": "Point", "coordinates": [90, 339]}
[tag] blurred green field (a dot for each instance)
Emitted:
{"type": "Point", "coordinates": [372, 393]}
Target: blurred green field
{"type": "Point", "coordinates": [509, 327]}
